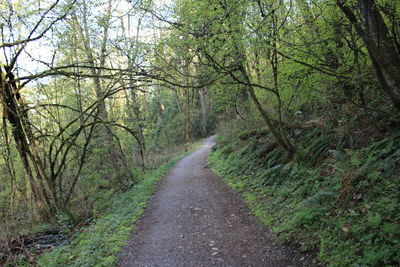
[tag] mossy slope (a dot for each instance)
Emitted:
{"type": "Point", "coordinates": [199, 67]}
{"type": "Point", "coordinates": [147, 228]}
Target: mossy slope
{"type": "Point", "coordinates": [344, 206]}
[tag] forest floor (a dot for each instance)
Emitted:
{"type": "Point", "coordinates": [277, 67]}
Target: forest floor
{"type": "Point", "coordinates": [195, 219]}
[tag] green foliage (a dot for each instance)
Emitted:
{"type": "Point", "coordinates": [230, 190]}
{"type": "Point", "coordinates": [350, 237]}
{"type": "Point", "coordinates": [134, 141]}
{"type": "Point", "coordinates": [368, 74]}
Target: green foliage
{"type": "Point", "coordinates": [346, 207]}
{"type": "Point", "coordinates": [303, 62]}
{"type": "Point", "coordinates": [98, 244]}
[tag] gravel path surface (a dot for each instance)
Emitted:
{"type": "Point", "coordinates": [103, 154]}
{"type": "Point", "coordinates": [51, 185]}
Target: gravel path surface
{"type": "Point", "coordinates": [194, 219]}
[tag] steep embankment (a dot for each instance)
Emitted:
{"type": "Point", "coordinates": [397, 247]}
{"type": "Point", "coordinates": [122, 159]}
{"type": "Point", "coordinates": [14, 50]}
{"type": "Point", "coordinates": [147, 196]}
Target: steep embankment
{"type": "Point", "coordinates": [343, 206]}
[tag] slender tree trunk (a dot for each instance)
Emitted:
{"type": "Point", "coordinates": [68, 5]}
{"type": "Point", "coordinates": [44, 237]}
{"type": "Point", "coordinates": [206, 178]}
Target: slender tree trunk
{"type": "Point", "coordinates": [96, 71]}
{"type": "Point", "coordinates": [244, 78]}
{"type": "Point", "coordinates": [135, 118]}
{"type": "Point", "coordinates": [186, 103]}
{"type": "Point", "coordinates": [280, 138]}
{"type": "Point", "coordinates": [380, 45]}
{"type": "Point", "coordinates": [205, 106]}
{"type": "Point", "coordinates": [133, 98]}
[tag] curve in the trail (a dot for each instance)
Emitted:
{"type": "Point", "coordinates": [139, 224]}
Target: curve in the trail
{"type": "Point", "coordinates": [194, 219]}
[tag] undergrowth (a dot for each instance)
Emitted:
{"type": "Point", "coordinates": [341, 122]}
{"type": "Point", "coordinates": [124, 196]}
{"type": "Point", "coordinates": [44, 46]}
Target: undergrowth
{"type": "Point", "coordinates": [332, 199]}
{"type": "Point", "coordinates": [99, 243]}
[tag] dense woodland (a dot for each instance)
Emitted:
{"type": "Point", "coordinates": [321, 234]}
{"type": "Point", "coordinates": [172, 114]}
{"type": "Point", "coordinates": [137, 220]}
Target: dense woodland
{"type": "Point", "coordinates": [304, 94]}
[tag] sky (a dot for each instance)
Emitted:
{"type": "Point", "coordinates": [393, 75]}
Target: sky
{"type": "Point", "coordinates": [43, 49]}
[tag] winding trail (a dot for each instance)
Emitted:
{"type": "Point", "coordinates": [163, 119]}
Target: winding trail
{"type": "Point", "coordinates": [194, 219]}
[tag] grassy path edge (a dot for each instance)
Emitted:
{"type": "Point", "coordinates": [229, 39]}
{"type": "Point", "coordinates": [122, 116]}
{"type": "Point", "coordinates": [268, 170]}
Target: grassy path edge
{"type": "Point", "coordinates": [252, 198]}
{"type": "Point", "coordinates": [100, 243]}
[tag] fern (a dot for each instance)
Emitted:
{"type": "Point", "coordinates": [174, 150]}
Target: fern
{"type": "Point", "coordinates": [322, 197]}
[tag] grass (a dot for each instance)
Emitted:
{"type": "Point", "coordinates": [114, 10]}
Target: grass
{"type": "Point", "coordinates": [347, 211]}
{"type": "Point", "coordinates": [99, 244]}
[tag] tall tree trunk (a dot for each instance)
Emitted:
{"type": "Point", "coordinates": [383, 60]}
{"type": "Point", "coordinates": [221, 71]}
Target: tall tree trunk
{"type": "Point", "coordinates": [205, 106]}
{"type": "Point", "coordinates": [96, 71]}
{"type": "Point", "coordinates": [15, 111]}
{"type": "Point", "coordinates": [280, 137]}
{"type": "Point", "coordinates": [186, 101]}
{"type": "Point", "coordinates": [380, 45]}
{"type": "Point", "coordinates": [244, 78]}
{"type": "Point", "coordinates": [133, 98]}
{"type": "Point", "coordinates": [133, 107]}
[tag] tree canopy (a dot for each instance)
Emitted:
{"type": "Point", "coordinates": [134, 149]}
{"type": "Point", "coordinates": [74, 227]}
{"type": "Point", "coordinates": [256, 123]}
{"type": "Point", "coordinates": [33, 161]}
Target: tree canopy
{"type": "Point", "coordinates": [94, 93]}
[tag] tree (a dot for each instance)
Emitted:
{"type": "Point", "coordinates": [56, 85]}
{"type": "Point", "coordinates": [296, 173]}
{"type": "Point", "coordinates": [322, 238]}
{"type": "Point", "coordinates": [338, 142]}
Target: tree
{"type": "Point", "coordinates": [380, 45]}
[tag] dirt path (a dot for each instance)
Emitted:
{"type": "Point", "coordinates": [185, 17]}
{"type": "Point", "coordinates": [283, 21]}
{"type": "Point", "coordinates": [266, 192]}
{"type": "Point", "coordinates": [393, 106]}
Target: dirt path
{"type": "Point", "coordinates": [194, 219]}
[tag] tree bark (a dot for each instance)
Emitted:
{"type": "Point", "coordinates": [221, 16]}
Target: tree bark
{"type": "Point", "coordinates": [186, 101]}
{"type": "Point", "coordinates": [281, 139]}
{"type": "Point", "coordinates": [205, 106]}
{"type": "Point", "coordinates": [96, 71]}
{"type": "Point", "coordinates": [380, 45]}
{"type": "Point", "coordinates": [14, 110]}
